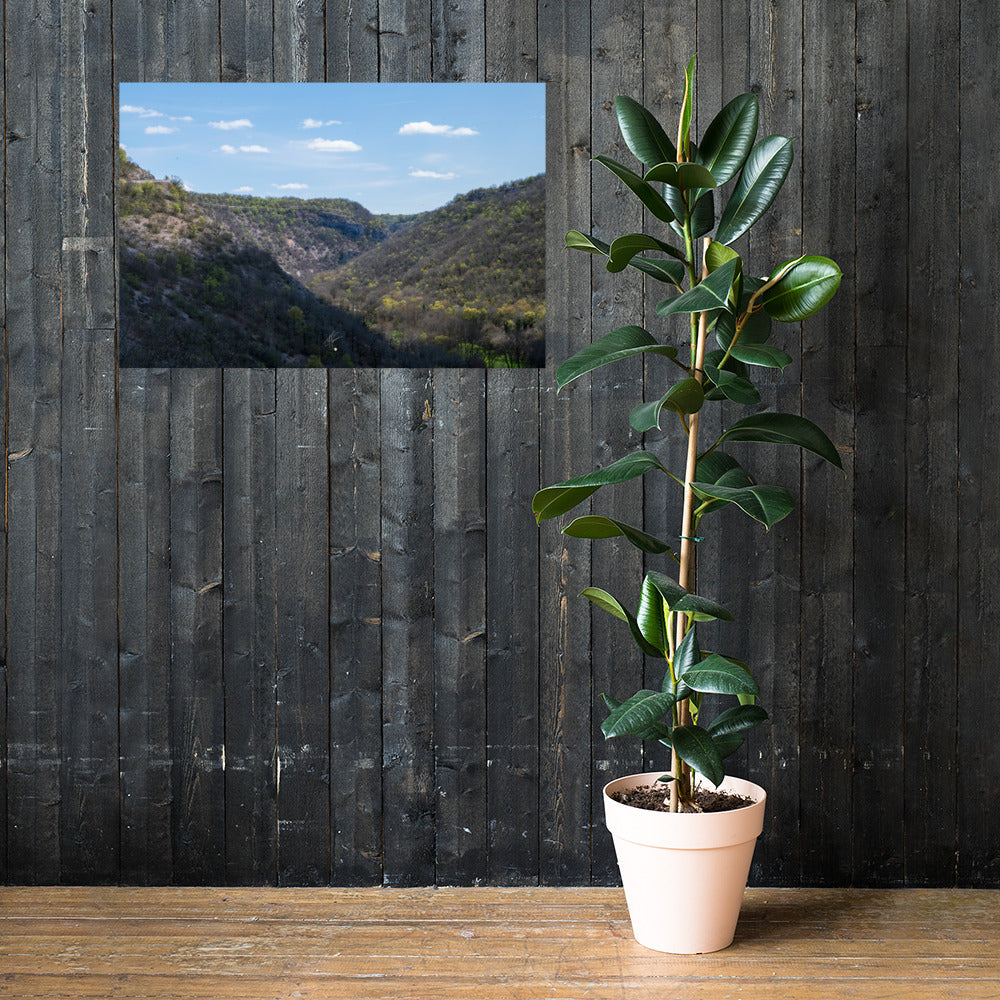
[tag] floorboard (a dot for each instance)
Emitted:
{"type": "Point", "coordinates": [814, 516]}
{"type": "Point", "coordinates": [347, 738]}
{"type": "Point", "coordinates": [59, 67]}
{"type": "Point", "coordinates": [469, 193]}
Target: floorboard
{"type": "Point", "coordinates": [199, 943]}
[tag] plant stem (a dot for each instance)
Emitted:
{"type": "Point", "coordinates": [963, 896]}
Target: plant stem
{"type": "Point", "coordinates": [685, 575]}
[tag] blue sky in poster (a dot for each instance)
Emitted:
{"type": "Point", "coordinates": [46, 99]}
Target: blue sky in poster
{"type": "Point", "coordinates": [394, 147]}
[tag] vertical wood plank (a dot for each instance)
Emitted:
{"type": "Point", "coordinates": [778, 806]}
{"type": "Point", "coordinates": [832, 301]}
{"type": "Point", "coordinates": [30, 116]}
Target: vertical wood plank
{"type": "Point", "coordinates": [299, 40]}
{"type": "Point", "coordinates": [249, 544]}
{"type": "Point", "coordinates": [3, 533]}
{"type": "Point", "coordinates": [770, 581]}
{"type": "Point", "coordinates": [146, 753]}
{"type": "Point", "coordinates": [932, 364]}
{"type": "Point", "coordinates": [564, 439]}
{"type": "Point", "coordinates": [460, 721]}
{"type": "Point", "coordinates": [249, 625]}
{"type": "Point", "coordinates": [355, 628]}
{"type": "Point", "coordinates": [407, 548]}
{"type": "Point", "coordinates": [33, 159]}
{"type": "Point", "coordinates": [978, 703]}
{"type": "Point", "coordinates": [458, 53]}
{"type": "Point", "coordinates": [617, 300]}
{"type": "Point", "coordinates": [352, 40]}
{"type": "Point", "coordinates": [197, 723]}
{"type": "Point", "coordinates": [407, 628]}
{"type": "Point", "coordinates": [880, 438]}
{"type": "Point", "coordinates": [303, 680]}
{"type": "Point", "coordinates": [827, 498]}
{"type": "Point", "coordinates": [88, 672]}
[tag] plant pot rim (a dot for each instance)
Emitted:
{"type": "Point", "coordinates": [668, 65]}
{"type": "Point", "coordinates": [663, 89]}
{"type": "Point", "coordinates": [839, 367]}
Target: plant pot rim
{"type": "Point", "coordinates": [685, 831]}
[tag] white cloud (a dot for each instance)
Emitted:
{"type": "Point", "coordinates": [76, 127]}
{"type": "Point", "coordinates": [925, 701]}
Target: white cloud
{"type": "Point", "coordinates": [254, 149]}
{"type": "Point", "coordinates": [159, 130]}
{"type": "Point", "coordinates": [229, 126]}
{"type": "Point", "coordinates": [334, 121]}
{"type": "Point", "coordinates": [134, 109]}
{"type": "Point", "coordinates": [293, 186]}
{"type": "Point", "coordinates": [181, 118]}
{"type": "Point", "coordinates": [333, 146]}
{"type": "Point", "coordinates": [227, 149]}
{"type": "Point", "coordinates": [433, 175]}
{"type": "Point", "coordinates": [244, 189]}
{"type": "Point", "coordinates": [311, 123]}
{"type": "Point", "coordinates": [426, 128]}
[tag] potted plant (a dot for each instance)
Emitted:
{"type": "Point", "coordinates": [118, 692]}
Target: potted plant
{"type": "Point", "coordinates": [683, 851]}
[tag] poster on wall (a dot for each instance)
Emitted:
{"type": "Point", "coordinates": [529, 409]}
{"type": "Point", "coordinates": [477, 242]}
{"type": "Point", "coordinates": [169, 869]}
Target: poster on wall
{"type": "Point", "coordinates": [331, 225]}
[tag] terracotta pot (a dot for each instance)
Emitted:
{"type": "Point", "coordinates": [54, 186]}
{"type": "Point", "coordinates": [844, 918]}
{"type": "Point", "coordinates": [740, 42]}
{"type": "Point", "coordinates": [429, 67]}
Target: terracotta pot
{"type": "Point", "coordinates": [684, 873]}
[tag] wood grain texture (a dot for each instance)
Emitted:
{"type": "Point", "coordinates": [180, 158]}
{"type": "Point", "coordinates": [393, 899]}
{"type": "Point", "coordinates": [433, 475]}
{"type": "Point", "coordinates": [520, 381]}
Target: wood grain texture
{"type": "Point", "coordinates": [35, 677]}
{"type": "Point", "coordinates": [495, 943]}
{"type": "Point", "coordinates": [564, 741]}
{"type": "Point", "coordinates": [978, 489]}
{"type": "Point", "coordinates": [881, 283]}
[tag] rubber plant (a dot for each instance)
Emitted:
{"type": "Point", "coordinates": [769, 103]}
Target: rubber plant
{"type": "Point", "coordinates": [718, 333]}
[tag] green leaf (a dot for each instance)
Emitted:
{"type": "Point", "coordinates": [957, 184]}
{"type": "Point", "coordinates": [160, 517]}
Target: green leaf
{"type": "Point", "coordinates": [728, 745]}
{"type": "Point", "coordinates": [623, 249]}
{"type": "Point", "coordinates": [728, 139]}
{"type": "Point", "coordinates": [687, 655]}
{"type": "Point", "coordinates": [555, 500]}
{"type": "Point", "coordinates": [737, 720]}
{"type": "Point", "coordinates": [763, 355]}
{"type": "Point", "coordinates": [803, 290]}
{"type": "Point", "coordinates": [642, 133]}
{"type": "Point", "coordinates": [575, 240]}
{"type": "Point", "coordinates": [684, 397]}
{"type": "Point", "coordinates": [685, 176]}
{"type": "Point", "coordinates": [767, 504]}
{"type": "Point", "coordinates": [763, 174]}
{"type": "Point", "coordinates": [625, 342]}
{"type": "Point", "coordinates": [607, 603]}
{"type": "Point", "coordinates": [732, 386]}
{"type": "Point", "coordinates": [703, 216]}
{"type": "Point", "coordinates": [756, 330]}
{"type": "Point", "coordinates": [646, 194]}
{"type": "Point", "coordinates": [718, 675]}
{"type": "Point", "coordinates": [784, 428]}
{"type": "Point", "coordinates": [711, 468]}
{"type": "Point", "coordinates": [695, 746]}
{"type": "Point", "coordinates": [668, 271]}
{"type": "Point", "coordinates": [679, 599]}
{"type": "Point", "coordinates": [641, 715]}
{"type": "Point", "coordinates": [651, 617]}
{"type": "Point", "coordinates": [718, 254]}
{"type": "Point", "coordinates": [711, 293]}
{"type": "Point", "coordinates": [684, 133]}
{"type": "Point", "coordinates": [592, 526]}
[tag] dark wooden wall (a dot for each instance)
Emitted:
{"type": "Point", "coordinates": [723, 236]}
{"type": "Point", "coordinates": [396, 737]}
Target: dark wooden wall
{"type": "Point", "coordinates": [298, 627]}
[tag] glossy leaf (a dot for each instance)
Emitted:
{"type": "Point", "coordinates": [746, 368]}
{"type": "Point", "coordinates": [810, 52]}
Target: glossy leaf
{"type": "Point", "coordinates": [624, 248]}
{"type": "Point", "coordinates": [608, 603]}
{"type": "Point", "coordinates": [711, 468]}
{"type": "Point", "coordinates": [803, 290]}
{"type": "Point", "coordinates": [718, 254]}
{"type": "Point", "coordinates": [737, 720]}
{"type": "Point", "coordinates": [729, 137]}
{"type": "Point", "coordinates": [575, 240]}
{"type": "Point", "coordinates": [756, 330]}
{"type": "Point", "coordinates": [763, 174]}
{"type": "Point", "coordinates": [641, 715]}
{"type": "Point", "coordinates": [727, 745]}
{"type": "Point", "coordinates": [652, 617]}
{"type": "Point", "coordinates": [686, 176]}
{"type": "Point", "coordinates": [668, 271]}
{"type": "Point", "coordinates": [642, 133]}
{"type": "Point", "coordinates": [711, 293]}
{"type": "Point", "coordinates": [684, 397]}
{"type": "Point", "coordinates": [734, 387]}
{"type": "Point", "coordinates": [555, 500]}
{"type": "Point", "coordinates": [687, 655]}
{"type": "Point", "coordinates": [767, 504]}
{"type": "Point", "coordinates": [718, 675]}
{"type": "Point", "coordinates": [679, 599]}
{"type": "Point", "coordinates": [625, 342]}
{"type": "Point", "coordinates": [763, 355]}
{"type": "Point", "coordinates": [646, 194]}
{"type": "Point", "coordinates": [695, 746]}
{"type": "Point", "coordinates": [784, 428]}
{"type": "Point", "coordinates": [592, 526]}
{"type": "Point", "coordinates": [703, 216]}
{"type": "Point", "coordinates": [687, 107]}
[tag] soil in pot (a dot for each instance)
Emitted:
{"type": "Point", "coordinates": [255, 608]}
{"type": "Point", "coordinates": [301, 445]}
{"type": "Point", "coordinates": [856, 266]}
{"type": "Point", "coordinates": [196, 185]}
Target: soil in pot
{"type": "Point", "coordinates": [657, 799]}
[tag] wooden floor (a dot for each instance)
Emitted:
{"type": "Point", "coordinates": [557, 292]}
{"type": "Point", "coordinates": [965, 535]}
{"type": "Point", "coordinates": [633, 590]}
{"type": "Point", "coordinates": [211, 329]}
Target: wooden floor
{"type": "Point", "coordinates": [481, 944]}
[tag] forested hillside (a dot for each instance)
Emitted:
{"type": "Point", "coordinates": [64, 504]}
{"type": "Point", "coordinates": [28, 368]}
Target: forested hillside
{"type": "Point", "coordinates": [229, 280]}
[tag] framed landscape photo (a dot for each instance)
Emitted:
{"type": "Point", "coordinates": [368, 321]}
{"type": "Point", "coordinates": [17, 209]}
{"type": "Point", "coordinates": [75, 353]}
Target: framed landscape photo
{"type": "Point", "coordinates": [331, 224]}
